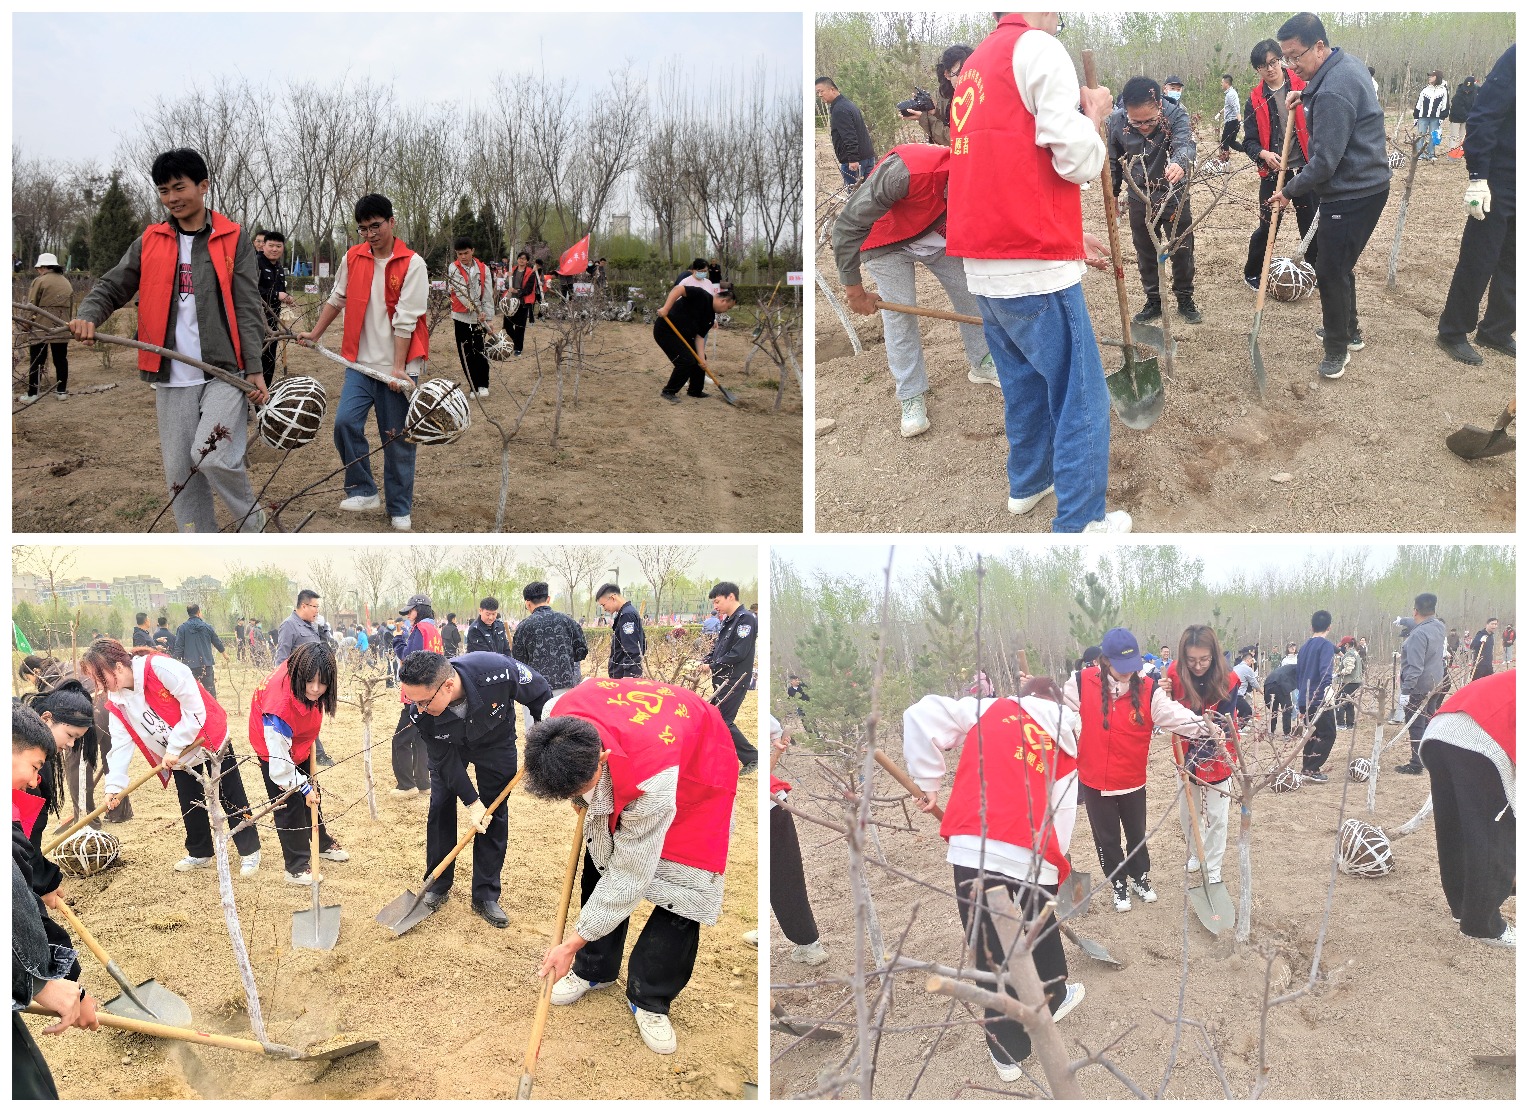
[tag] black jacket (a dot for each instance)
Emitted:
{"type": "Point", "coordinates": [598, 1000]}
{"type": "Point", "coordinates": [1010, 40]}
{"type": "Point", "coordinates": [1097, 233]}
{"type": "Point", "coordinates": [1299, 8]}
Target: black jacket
{"type": "Point", "coordinates": [846, 127]}
{"type": "Point", "coordinates": [142, 638]}
{"type": "Point", "coordinates": [552, 644]}
{"type": "Point", "coordinates": [164, 640]}
{"type": "Point", "coordinates": [1490, 138]}
{"type": "Point", "coordinates": [272, 282]}
{"type": "Point", "coordinates": [450, 638]}
{"type": "Point", "coordinates": [1462, 102]}
{"type": "Point", "coordinates": [628, 641]}
{"type": "Point", "coordinates": [487, 639]}
{"type": "Point", "coordinates": [732, 655]}
{"type": "Point", "coordinates": [1281, 679]}
{"type": "Point", "coordinates": [194, 642]}
{"type": "Point", "coordinates": [1172, 142]}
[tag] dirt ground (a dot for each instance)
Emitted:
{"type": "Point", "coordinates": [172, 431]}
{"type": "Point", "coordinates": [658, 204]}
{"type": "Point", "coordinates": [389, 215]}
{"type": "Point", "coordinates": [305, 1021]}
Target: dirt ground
{"type": "Point", "coordinates": [1410, 1000]}
{"type": "Point", "coordinates": [1362, 454]}
{"type": "Point", "coordinates": [624, 457]}
{"type": "Point", "coordinates": [451, 1001]}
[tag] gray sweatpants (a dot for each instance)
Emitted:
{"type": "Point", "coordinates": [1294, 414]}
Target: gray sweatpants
{"type": "Point", "coordinates": [895, 277]}
{"type": "Point", "coordinates": [187, 416]}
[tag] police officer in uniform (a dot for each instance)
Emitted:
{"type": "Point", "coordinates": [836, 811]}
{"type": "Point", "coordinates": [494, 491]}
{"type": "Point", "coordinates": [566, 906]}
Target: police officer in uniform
{"type": "Point", "coordinates": [731, 665]}
{"type": "Point", "coordinates": [464, 709]}
{"type": "Point", "coordinates": [628, 640]}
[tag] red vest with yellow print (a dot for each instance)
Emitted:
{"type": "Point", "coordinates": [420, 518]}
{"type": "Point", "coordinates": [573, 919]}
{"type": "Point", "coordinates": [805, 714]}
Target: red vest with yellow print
{"type": "Point", "coordinates": [360, 269]}
{"type": "Point", "coordinates": [1019, 763]}
{"type": "Point", "coordinates": [928, 169]}
{"type": "Point", "coordinates": [1113, 758]}
{"type": "Point", "coordinates": [211, 736]}
{"type": "Point", "coordinates": [159, 276]}
{"type": "Point", "coordinates": [275, 697]}
{"type": "Point", "coordinates": [1260, 109]}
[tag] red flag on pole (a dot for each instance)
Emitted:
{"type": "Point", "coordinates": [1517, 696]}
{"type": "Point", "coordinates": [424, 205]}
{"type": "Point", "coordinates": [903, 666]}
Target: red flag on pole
{"type": "Point", "coordinates": [575, 260]}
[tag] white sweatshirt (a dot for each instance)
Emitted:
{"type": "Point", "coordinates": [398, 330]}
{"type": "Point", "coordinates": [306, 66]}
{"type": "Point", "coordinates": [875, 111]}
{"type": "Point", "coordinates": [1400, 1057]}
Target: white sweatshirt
{"type": "Point", "coordinates": [377, 332]}
{"type": "Point", "coordinates": [936, 725]}
{"type": "Point", "coordinates": [167, 741]}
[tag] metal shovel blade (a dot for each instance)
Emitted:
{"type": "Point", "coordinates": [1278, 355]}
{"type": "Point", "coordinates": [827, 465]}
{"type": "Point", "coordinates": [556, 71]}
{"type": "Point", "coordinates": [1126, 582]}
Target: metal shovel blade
{"type": "Point", "coordinates": [159, 1005]}
{"type": "Point", "coordinates": [322, 1052]}
{"type": "Point", "coordinates": [1073, 893]}
{"type": "Point", "coordinates": [1214, 908]}
{"type": "Point", "coordinates": [405, 913]}
{"type": "Point", "coordinates": [1476, 443]}
{"type": "Point", "coordinates": [316, 928]}
{"type": "Point", "coordinates": [1138, 400]}
{"type": "Point", "coordinates": [1094, 950]}
{"type": "Point", "coordinates": [1259, 375]}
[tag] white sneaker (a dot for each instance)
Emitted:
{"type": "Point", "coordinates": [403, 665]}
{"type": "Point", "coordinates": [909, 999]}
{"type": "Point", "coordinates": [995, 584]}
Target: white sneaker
{"type": "Point", "coordinates": [1142, 888]}
{"type": "Point", "coordinates": [334, 853]}
{"type": "Point", "coordinates": [359, 502]}
{"type": "Point", "coordinates": [1193, 864]}
{"type": "Point", "coordinates": [403, 523]}
{"type": "Point", "coordinates": [1506, 941]}
{"type": "Point", "coordinates": [811, 954]}
{"type": "Point", "coordinates": [914, 416]}
{"type": "Point", "coordinates": [752, 938]}
{"type": "Point", "coordinates": [572, 987]}
{"type": "Point", "coordinates": [1024, 505]}
{"type": "Point", "coordinates": [304, 878]}
{"type": "Point", "coordinates": [1008, 1072]}
{"type": "Point", "coordinates": [186, 864]}
{"type": "Point", "coordinates": [26, 397]}
{"type": "Point", "coordinates": [1121, 896]}
{"type": "Point", "coordinates": [984, 373]}
{"type": "Point", "coordinates": [1074, 996]}
{"type": "Point", "coordinates": [1115, 521]}
{"type": "Point", "coordinates": [250, 865]}
{"type": "Point", "coordinates": [657, 1032]}
{"type": "Point", "coordinates": [403, 793]}
{"type": "Point", "coordinates": [483, 393]}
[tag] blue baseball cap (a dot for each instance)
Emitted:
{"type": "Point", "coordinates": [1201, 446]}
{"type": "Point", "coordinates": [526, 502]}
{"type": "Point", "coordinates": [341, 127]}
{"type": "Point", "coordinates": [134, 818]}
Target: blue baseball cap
{"type": "Point", "coordinates": [1121, 651]}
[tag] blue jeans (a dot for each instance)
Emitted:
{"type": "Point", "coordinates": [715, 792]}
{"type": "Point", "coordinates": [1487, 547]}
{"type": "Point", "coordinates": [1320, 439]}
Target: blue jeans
{"type": "Point", "coordinates": [359, 395]}
{"type": "Point", "coordinates": [854, 177]}
{"type": "Point", "coordinates": [1429, 148]}
{"type": "Point", "coordinates": [1055, 403]}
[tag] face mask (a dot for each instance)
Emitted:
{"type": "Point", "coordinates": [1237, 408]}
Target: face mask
{"type": "Point", "coordinates": [1172, 96]}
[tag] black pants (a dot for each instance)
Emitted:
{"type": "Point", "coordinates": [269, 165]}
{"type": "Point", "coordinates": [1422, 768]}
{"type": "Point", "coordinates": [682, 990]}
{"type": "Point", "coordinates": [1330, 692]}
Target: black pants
{"type": "Point", "coordinates": [238, 648]}
{"type": "Point", "coordinates": [488, 849]}
{"type": "Point", "coordinates": [686, 367]}
{"type": "Point", "coordinates": [1228, 132]}
{"type": "Point", "coordinates": [728, 696]}
{"type": "Point", "coordinates": [1146, 250]}
{"type": "Point", "coordinates": [74, 757]}
{"type": "Point", "coordinates": [514, 324]}
{"type": "Point", "coordinates": [1487, 258]}
{"type": "Point", "coordinates": [411, 764]}
{"type": "Point", "coordinates": [206, 675]}
{"type": "Point", "coordinates": [1347, 706]}
{"type": "Point", "coordinates": [268, 349]}
{"type": "Point", "coordinates": [1108, 815]}
{"type": "Point", "coordinates": [30, 1077]}
{"type": "Point", "coordinates": [39, 360]}
{"type": "Point", "coordinates": [1257, 246]}
{"type": "Point", "coordinates": [1419, 724]}
{"type": "Point", "coordinates": [787, 880]}
{"type": "Point", "coordinates": [193, 808]}
{"type": "Point", "coordinates": [1318, 747]}
{"type": "Point", "coordinates": [1276, 700]}
{"type": "Point", "coordinates": [661, 962]}
{"type": "Point", "coordinates": [1477, 852]}
{"type": "Point", "coordinates": [469, 348]}
{"type": "Point", "coordinates": [1006, 1037]}
{"type": "Point", "coordinates": [294, 826]}
{"type": "Point", "coordinates": [1341, 237]}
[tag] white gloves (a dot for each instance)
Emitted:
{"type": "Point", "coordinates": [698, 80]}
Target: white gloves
{"type": "Point", "coordinates": [1477, 199]}
{"type": "Point", "coordinates": [477, 815]}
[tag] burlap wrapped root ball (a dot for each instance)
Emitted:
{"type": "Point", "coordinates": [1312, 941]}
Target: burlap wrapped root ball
{"type": "Point", "coordinates": [294, 413]}
{"type": "Point", "coordinates": [1360, 769]}
{"type": "Point", "coordinates": [1363, 849]}
{"type": "Point", "coordinates": [438, 413]}
{"type": "Point", "coordinates": [88, 852]}
{"type": "Point", "coordinates": [1288, 780]}
{"type": "Point", "coordinates": [1289, 280]}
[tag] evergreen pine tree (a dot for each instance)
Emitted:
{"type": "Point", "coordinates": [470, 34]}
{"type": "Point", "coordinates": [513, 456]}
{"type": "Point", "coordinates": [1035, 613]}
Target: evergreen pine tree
{"type": "Point", "coordinates": [464, 223]}
{"type": "Point", "coordinates": [951, 648]}
{"type": "Point", "coordinates": [1098, 612]}
{"type": "Point", "coordinates": [114, 229]}
{"type": "Point", "coordinates": [78, 252]}
{"type": "Point", "coordinates": [488, 234]}
{"type": "Point", "coordinates": [838, 679]}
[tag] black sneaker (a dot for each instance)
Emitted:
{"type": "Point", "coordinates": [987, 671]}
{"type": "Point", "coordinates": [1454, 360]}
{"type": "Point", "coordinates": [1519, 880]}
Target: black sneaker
{"type": "Point", "coordinates": [1121, 896]}
{"type": "Point", "coordinates": [1189, 311]}
{"type": "Point", "coordinates": [1253, 281]}
{"type": "Point", "coordinates": [1506, 347]}
{"type": "Point", "coordinates": [1461, 352]}
{"type": "Point", "coordinates": [1150, 311]}
{"type": "Point", "coordinates": [1355, 342]}
{"type": "Point", "coordinates": [1317, 777]}
{"type": "Point", "coordinates": [1332, 365]}
{"type": "Point", "coordinates": [666, 396]}
{"type": "Point", "coordinates": [436, 900]}
{"type": "Point", "coordinates": [1143, 889]}
{"type": "Point", "coordinates": [1410, 769]}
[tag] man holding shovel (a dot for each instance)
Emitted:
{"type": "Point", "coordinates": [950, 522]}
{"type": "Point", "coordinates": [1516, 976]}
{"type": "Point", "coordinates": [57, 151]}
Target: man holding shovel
{"type": "Point", "coordinates": [1019, 153]}
{"type": "Point", "coordinates": [894, 223]}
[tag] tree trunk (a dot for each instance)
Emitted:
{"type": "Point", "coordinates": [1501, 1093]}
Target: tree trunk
{"type": "Point", "coordinates": [230, 907]}
{"type": "Point", "coordinates": [1400, 216]}
{"type": "Point", "coordinates": [1244, 867]}
{"type": "Point", "coordinates": [371, 787]}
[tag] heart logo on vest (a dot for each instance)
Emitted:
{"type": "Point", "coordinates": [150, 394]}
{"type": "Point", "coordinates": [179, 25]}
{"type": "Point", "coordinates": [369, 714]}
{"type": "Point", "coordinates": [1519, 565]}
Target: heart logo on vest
{"type": "Point", "coordinates": [966, 100]}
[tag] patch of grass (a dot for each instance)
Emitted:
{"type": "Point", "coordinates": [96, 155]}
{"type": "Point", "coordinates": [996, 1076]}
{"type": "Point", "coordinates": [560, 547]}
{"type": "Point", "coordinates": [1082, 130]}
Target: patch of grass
{"type": "Point", "coordinates": [140, 508]}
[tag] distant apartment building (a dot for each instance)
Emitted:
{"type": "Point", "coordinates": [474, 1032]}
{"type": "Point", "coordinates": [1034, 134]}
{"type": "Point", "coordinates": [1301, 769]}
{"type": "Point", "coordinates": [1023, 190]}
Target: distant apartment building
{"type": "Point", "coordinates": [141, 592]}
{"type": "Point", "coordinates": [25, 587]}
{"type": "Point", "coordinates": [78, 592]}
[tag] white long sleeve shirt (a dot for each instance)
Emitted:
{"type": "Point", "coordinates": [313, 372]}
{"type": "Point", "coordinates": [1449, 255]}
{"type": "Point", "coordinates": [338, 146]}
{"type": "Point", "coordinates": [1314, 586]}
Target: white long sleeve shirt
{"type": "Point", "coordinates": [377, 331]}
{"type": "Point", "coordinates": [1047, 84]}
{"type": "Point", "coordinates": [167, 741]}
{"type": "Point", "coordinates": [936, 725]}
{"type": "Point", "coordinates": [278, 747]}
{"type": "Point", "coordinates": [1166, 714]}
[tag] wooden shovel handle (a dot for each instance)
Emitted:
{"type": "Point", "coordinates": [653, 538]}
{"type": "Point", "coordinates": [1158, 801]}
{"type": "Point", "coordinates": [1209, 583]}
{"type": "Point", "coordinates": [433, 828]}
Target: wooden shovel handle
{"type": "Point", "coordinates": [165, 1031]}
{"type": "Point", "coordinates": [698, 359]}
{"type": "Point", "coordinates": [1273, 217]}
{"type": "Point", "coordinates": [901, 777]}
{"type": "Point", "coordinates": [544, 1004]}
{"type": "Point", "coordinates": [472, 831]}
{"type": "Point", "coordinates": [1193, 808]}
{"type": "Point", "coordinates": [78, 825]}
{"type": "Point", "coordinates": [1111, 214]}
{"type": "Point", "coordinates": [918, 311]}
{"type": "Point", "coordinates": [84, 932]}
{"type": "Point", "coordinates": [313, 823]}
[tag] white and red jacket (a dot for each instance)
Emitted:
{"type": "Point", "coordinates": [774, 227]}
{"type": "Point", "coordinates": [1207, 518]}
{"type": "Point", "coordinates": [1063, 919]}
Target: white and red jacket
{"type": "Point", "coordinates": [1482, 717]}
{"type": "Point", "coordinates": [471, 290]}
{"type": "Point", "coordinates": [1028, 762]}
{"type": "Point", "coordinates": [165, 713]}
{"type": "Point", "coordinates": [1207, 762]}
{"type": "Point", "coordinates": [283, 728]}
{"type": "Point", "coordinates": [1112, 760]}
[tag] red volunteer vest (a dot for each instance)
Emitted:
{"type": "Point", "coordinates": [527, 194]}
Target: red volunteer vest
{"type": "Point", "coordinates": [1021, 762]}
{"type": "Point", "coordinates": [650, 726]}
{"type": "Point", "coordinates": [777, 785]}
{"type": "Point", "coordinates": [1261, 110]}
{"type": "Point", "coordinates": [1112, 759]}
{"type": "Point", "coordinates": [929, 167]}
{"type": "Point", "coordinates": [159, 278]}
{"type": "Point", "coordinates": [361, 267]}
{"type": "Point", "coordinates": [1216, 769]}
{"type": "Point", "coordinates": [211, 736]}
{"type": "Point", "coordinates": [430, 642]}
{"type": "Point", "coordinates": [456, 304]}
{"type": "Point", "coordinates": [274, 696]}
{"type": "Point", "coordinates": [25, 808]}
{"type": "Point", "coordinates": [525, 284]}
{"type": "Point", "coordinates": [1492, 702]}
{"type": "Point", "coordinates": [1006, 199]}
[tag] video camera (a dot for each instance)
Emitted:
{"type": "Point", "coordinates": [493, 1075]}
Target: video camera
{"type": "Point", "coordinates": [921, 101]}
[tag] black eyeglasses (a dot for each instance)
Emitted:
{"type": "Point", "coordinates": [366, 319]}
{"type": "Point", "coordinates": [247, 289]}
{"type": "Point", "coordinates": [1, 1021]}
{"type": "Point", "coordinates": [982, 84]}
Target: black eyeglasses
{"type": "Point", "coordinates": [1060, 23]}
{"type": "Point", "coordinates": [1291, 59]}
{"type": "Point", "coordinates": [372, 228]}
{"type": "Point", "coordinates": [1141, 127]}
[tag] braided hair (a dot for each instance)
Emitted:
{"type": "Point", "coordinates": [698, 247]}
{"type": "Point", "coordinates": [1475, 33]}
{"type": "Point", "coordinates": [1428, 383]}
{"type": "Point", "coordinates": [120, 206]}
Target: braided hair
{"type": "Point", "coordinates": [1107, 699]}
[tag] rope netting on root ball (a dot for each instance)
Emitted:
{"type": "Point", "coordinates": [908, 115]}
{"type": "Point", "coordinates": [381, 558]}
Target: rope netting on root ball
{"type": "Point", "coordinates": [294, 414]}
{"type": "Point", "coordinates": [1363, 849]}
{"type": "Point", "coordinates": [498, 347]}
{"type": "Point", "coordinates": [1289, 280]}
{"type": "Point", "coordinates": [87, 853]}
{"type": "Point", "coordinates": [1360, 770]}
{"type": "Point", "coordinates": [438, 413]}
{"type": "Point", "coordinates": [1288, 780]}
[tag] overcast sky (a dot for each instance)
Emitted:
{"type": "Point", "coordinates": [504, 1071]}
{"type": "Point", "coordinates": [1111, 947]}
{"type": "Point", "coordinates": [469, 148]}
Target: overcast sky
{"type": "Point", "coordinates": [81, 78]}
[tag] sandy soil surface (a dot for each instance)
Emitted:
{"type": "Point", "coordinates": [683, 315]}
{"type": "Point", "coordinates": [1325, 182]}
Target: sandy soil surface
{"type": "Point", "coordinates": [451, 1001]}
{"type": "Point", "coordinates": [1362, 454]}
{"type": "Point", "coordinates": [1409, 1002]}
{"type": "Point", "coordinates": [624, 457]}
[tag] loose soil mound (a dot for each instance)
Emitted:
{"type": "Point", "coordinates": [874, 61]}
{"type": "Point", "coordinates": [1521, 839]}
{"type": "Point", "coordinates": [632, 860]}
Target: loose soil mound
{"type": "Point", "coordinates": [451, 1001]}
{"type": "Point", "coordinates": [1361, 454]}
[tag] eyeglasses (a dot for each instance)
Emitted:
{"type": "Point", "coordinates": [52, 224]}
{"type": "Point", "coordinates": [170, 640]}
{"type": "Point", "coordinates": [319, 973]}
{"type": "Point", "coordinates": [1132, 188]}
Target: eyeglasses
{"type": "Point", "coordinates": [1272, 63]}
{"type": "Point", "coordinates": [1291, 59]}
{"type": "Point", "coordinates": [1141, 127]}
{"type": "Point", "coordinates": [425, 704]}
{"type": "Point", "coordinates": [1060, 23]}
{"type": "Point", "coordinates": [371, 229]}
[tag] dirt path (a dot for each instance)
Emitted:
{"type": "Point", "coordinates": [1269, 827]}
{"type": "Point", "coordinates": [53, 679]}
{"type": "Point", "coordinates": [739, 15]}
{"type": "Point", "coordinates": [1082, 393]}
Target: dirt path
{"type": "Point", "coordinates": [1363, 454]}
{"type": "Point", "coordinates": [451, 1001]}
{"type": "Point", "coordinates": [624, 459]}
{"type": "Point", "coordinates": [1410, 1001]}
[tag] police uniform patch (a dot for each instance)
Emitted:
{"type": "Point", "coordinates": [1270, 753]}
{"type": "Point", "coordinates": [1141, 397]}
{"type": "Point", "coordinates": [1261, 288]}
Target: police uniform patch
{"type": "Point", "coordinates": [525, 673]}
{"type": "Point", "coordinates": [629, 627]}
{"type": "Point", "coordinates": [744, 631]}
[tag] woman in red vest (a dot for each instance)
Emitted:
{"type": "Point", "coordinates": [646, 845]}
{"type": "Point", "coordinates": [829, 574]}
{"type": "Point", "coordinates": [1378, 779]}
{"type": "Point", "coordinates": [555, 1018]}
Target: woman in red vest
{"type": "Point", "coordinates": [1120, 708]}
{"type": "Point", "coordinates": [658, 771]}
{"type": "Point", "coordinates": [156, 705]}
{"type": "Point", "coordinates": [522, 285]}
{"type": "Point", "coordinates": [1200, 680]}
{"type": "Point", "coordinates": [284, 719]}
{"type": "Point", "coordinates": [1025, 753]}
{"type": "Point", "coordinates": [36, 789]}
{"type": "Point", "coordinates": [1264, 140]}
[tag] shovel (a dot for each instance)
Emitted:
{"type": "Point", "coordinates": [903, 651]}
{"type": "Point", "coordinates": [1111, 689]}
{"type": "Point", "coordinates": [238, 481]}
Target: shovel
{"type": "Point", "coordinates": [80, 823]}
{"type": "Point", "coordinates": [1071, 895]}
{"type": "Point", "coordinates": [1473, 443]}
{"type": "Point", "coordinates": [780, 1021]}
{"type": "Point", "coordinates": [318, 929]}
{"type": "Point", "coordinates": [408, 910]}
{"type": "Point", "coordinates": [726, 394]}
{"type": "Point", "coordinates": [906, 781]}
{"type": "Point", "coordinates": [227, 1042]}
{"type": "Point", "coordinates": [533, 1048]}
{"type": "Point", "coordinates": [149, 1000]}
{"type": "Point", "coordinates": [1211, 902]}
{"type": "Point", "coordinates": [1135, 390]}
{"type": "Point", "coordinates": [1260, 376]}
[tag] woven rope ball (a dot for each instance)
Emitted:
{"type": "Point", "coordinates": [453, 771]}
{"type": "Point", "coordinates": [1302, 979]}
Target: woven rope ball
{"type": "Point", "coordinates": [1289, 280]}
{"type": "Point", "coordinates": [294, 413]}
{"type": "Point", "coordinates": [1363, 850]}
{"type": "Point", "coordinates": [1214, 167]}
{"type": "Point", "coordinates": [88, 852]}
{"type": "Point", "coordinates": [499, 347]}
{"type": "Point", "coordinates": [1360, 769]}
{"type": "Point", "coordinates": [510, 305]}
{"type": "Point", "coordinates": [438, 413]}
{"type": "Point", "coordinates": [1394, 159]}
{"type": "Point", "coordinates": [1288, 780]}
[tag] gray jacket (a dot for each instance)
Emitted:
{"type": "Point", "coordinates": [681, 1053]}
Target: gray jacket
{"type": "Point", "coordinates": [119, 285]}
{"type": "Point", "coordinates": [293, 632]}
{"type": "Point", "coordinates": [888, 185]}
{"type": "Point", "coordinates": [1173, 141]}
{"type": "Point", "coordinates": [1348, 159]}
{"type": "Point", "coordinates": [1422, 653]}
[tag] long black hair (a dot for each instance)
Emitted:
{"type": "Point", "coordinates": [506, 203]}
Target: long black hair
{"type": "Point", "coordinates": [313, 660]}
{"type": "Point", "coordinates": [1108, 696]}
{"type": "Point", "coordinates": [70, 704]}
{"type": "Point", "coordinates": [952, 56]}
